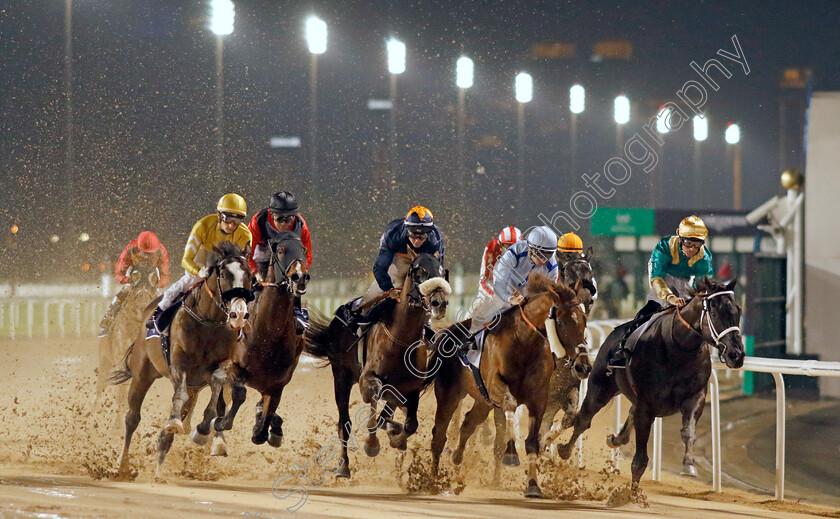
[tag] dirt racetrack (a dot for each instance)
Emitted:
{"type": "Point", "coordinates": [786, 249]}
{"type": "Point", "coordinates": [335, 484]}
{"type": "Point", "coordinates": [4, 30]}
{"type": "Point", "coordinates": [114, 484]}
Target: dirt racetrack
{"type": "Point", "coordinates": [59, 451]}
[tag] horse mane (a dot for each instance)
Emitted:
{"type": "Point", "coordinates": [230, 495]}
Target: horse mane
{"type": "Point", "coordinates": [226, 251]}
{"type": "Point", "coordinates": [707, 285]}
{"type": "Point", "coordinates": [539, 283]}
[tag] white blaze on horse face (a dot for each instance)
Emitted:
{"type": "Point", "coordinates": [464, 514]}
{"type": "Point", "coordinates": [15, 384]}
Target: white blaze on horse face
{"type": "Point", "coordinates": [238, 306]}
{"type": "Point", "coordinates": [297, 268]}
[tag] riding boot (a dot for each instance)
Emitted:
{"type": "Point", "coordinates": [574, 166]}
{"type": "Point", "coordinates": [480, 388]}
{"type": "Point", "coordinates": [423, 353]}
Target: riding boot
{"type": "Point", "coordinates": [468, 343]}
{"type": "Point", "coordinates": [151, 324]}
{"type": "Point", "coordinates": [108, 319]}
{"type": "Point", "coordinates": [301, 317]}
{"type": "Point", "coordinates": [622, 354]}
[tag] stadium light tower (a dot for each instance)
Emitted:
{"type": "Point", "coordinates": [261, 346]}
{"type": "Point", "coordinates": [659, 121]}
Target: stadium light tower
{"type": "Point", "coordinates": [221, 24]}
{"type": "Point", "coordinates": [700, 124]}
{"type": "Point", "coordinates": [524, 90]}
{"type": "Point", "coordinates": [662, 119]}
{"type": "Point", "coordinates": [621, 109]}
{"type": "Point", "coordinates": [733, 138]}
{"type": "Point", "coordinates": [463, 80]}
{"type": "Point", "coordinates": [577, 103]}
{"type": "Point", "coordinates": [396, 66]}
{"type": "Point", "coordinates": [316, 40]}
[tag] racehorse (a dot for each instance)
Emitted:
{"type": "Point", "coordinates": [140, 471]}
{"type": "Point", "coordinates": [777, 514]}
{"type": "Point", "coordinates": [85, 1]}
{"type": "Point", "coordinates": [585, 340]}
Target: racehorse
{"type": "Point", "coordinates": [143, 282]}
{"type": "Point", "coordinates": [389, 362]}
{"type": "Point", "coordinates": [516, 366]}
{"type": "Point", "coordinates": [668, 371]}
{"type": "Point", "coordinates": [202, 337]}
{"type": "Point", "coordinates": [266, 359]}
{"type": "Point", "coordinates": [574, 267]}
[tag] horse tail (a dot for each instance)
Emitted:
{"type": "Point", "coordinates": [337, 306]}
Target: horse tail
{"type": "Point", "coordinates": [318, 336]}
{"type": "Point", "coordinates": [122, 375]}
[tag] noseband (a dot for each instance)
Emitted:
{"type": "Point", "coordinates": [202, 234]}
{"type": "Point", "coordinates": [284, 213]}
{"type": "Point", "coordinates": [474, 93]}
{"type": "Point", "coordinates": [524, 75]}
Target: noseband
{"type": "Point", "coordinates": [706, 315]}
{"type": "Point", "coordinates": [221, 303]}
{"type": "Point", "coordinates": [580, 349]}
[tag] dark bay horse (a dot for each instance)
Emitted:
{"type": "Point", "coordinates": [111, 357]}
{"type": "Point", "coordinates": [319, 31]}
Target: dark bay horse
{"type": "Point", "coordinates": [202, 337]}
{"type": "Point", "coordinates": [389, 364]}
{"type": "Point", "coordinates": [668, 372]}
{"type": "Point", "coordinates": [516, 366]}
{"type": "Point", "coordinates": [267, 357]}
{"type": "Point", "coordinates": [576, 267]}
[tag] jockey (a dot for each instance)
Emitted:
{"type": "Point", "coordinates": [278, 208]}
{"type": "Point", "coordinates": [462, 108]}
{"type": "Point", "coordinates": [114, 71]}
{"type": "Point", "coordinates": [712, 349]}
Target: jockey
{"type": "Point", "coordinates": [225, 225]}
{"type": "Point", "coordinates": [403, 238]}
{"type": "Point", "coordinates": [281, 215]}
{"type": "Point", "coordinates": [510, 278]}
{"type": "Point", "coordinates": [675, 264]}
{"type": "Point", "coordinates": [146, 248]}
{"type": "Point", "coordinates": [492, 252]}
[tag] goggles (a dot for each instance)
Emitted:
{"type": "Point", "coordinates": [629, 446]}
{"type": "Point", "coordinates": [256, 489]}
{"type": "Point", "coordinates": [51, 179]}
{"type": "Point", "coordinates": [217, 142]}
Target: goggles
{"type": "Point", "coordinates": [231, 217]}
{"type": "Point", "coordinates": [691, 243]}
{"type": "Point", "coordinates": [283, 219]}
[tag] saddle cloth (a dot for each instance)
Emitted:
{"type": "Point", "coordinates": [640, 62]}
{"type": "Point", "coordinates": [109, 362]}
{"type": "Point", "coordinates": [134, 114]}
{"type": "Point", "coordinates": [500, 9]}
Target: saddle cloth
{"type": "Point", "coordinates": [472, 360]}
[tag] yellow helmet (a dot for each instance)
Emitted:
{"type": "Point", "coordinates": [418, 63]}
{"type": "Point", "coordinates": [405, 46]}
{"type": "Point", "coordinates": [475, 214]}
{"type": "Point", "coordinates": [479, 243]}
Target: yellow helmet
{"type": "Point", "coordinates": [570, 242]}
{"type": "Point", "coordinates": [232, 203]}
{"type": "Point", "coordinates": [693, 227]}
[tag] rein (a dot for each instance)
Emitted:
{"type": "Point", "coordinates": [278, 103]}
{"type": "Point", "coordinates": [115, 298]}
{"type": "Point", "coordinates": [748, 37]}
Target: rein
{"type": "Point", "coordinates": [705, 314]}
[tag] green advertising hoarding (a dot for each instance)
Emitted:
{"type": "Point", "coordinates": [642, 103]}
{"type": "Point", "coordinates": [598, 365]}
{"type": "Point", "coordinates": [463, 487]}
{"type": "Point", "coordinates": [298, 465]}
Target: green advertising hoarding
{"type": "Point", "coordinates": [623, 221]}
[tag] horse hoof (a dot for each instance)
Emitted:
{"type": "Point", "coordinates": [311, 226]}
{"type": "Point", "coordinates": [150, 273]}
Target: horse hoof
{"type": "Point", "coordinates": [372, 451]}
{"type": "Point", "coordinates": [198, 438]}
{"type": "Point", "coordinates": [564, 451]}
{"type": "Point", "coordinates": [259, 439]}
{"type": "Point", "coordinates": [457, 457]}
{"type": "Point", "coordinates": [343, 471]}
{"type": "Point", "coordinates": [510, 460]}
{"type": "Point", "coordinates": [533, 491]}
{"type": "Point", "coordinates": [275, 440]}
{"type": "Point", "coordinates": [689, 470]}
{"type": "Point", "coordinates": [612, 442]}
{"type": "Point", "coordinates": [174, 426]}
{"type": "Point", "coordinates": [217, 425]}
{"type": "Point", "coordinates": [219, 448]}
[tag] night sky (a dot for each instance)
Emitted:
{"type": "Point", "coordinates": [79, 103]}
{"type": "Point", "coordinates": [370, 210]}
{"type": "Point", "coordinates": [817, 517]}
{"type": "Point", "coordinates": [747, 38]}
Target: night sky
{"type": "Point", "coordinates": [144, 101]}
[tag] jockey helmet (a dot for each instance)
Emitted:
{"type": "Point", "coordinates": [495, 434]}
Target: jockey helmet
{"type": "Point", "coordinates": [283, 203]}
{"type": "Point", "coordinates": [147, 241]}
{"type": "Point", "coordinates": [570, 242]}
{"type": "Point", "coordinates": [693, 228]}
{"type": "Point", "coordinates": [510, 235]}
{"type": "Point", "coordinates": [542, 239]}
{"type": "Point", "coordinates": [419, 220]}
{"type": "Point", "coordinates": [232, 203]}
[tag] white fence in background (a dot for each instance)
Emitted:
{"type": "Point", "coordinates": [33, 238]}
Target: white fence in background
{"type": "Point", "coordinates": [78, 314]}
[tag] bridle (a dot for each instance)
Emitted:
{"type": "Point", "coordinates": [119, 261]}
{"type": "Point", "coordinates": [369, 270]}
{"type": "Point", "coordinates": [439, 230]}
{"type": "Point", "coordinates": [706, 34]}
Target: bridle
{"type": "Point", "coordinates": [587, 284]}
{"type": "Point", "coordinates": [580, 349]}
{"type": "Point", "coordinates": [285, 282]}
{"type": "Point", "coordinates": [224, 297]}
{"type": "Point", "coordinates": [706, 315]}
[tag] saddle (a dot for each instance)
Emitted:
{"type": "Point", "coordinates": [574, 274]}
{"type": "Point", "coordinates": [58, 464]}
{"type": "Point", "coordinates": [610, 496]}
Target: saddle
{"type": "Point", "coordinates": [161, 329]}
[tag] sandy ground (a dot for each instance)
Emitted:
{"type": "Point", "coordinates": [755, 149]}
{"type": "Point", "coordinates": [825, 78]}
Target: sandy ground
{"type": "Point", "coordinates": [59, 451]}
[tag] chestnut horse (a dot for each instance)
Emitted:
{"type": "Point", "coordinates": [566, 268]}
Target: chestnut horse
{"type": "Point", "coordinates": [388, 363]}
{"type": "Point", "coordinates": [266, 359]}
{"type": "Point", "coordinates": [668, 372]}
{"type": "Point", "coordinates": [202, 336]}
{"type": "Point", "coordinates": [516, 366]}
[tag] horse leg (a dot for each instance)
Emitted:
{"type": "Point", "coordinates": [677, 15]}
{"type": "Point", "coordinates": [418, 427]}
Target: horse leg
{"type": "Point", "coordinates": [237, 396]}
{"type": "Point", "coordinates": [472, 420]}
{"type": "Point", "coordinates": [218, 448]}
{"type": "Point", "coordinates": [369, 387]}
{"type": "Point", "coordinates": [570, 407]}
{"type": "Point", "coordinates": [179, 398]}
{"type": "Point", "coordinates": [447, 400]}
{"type": "Point", "coordinates": [642, 419]}
{"type": "Point", "coordinates": [691, 411]}
{"type": "Point", "coordinates": [202, 431]}
{"type": "Point", "coordinates": [165, 438]}
{"type": "Point", "coordinates": [615, 441]}
{"type": "Point", "coordinates": [342, 384]}
{"type": "Point", "coordinates": [536, 415]}
{"type": "Point", "coordinates": [600, 393]}
{"type": "Point", "coordinates": [140, 385]}
{"type": "Point", "coordinates": [260, 433]}
{"type": "Point", "coordinates": [398, 433]}
{"type": "Point", "coordinates": [372, 442]}
{"type": "Point", "coordinates": [105, 362]}
{"type": "Point", "coordinates": [275, 432]}
{"type": "Point", "coordinates": [498, 443]}
{"type": "Point", "coordinates": [511, 458]}
{"type": "Point", "coordinates": [547, 433]}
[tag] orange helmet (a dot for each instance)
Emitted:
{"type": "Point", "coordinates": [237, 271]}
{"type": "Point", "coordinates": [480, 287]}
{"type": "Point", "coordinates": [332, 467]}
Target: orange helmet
{"type": "Point", "coordinates": [148, 241]}
{"type": "Point", "coordinates": [570, 242]}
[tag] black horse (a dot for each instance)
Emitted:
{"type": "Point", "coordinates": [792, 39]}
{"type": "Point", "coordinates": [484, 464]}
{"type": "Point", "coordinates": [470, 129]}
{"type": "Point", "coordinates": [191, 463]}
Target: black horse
{"type": "Point", "coordinates": [575, 266]}
{"type": "Point", "coordinates": [668, 372]}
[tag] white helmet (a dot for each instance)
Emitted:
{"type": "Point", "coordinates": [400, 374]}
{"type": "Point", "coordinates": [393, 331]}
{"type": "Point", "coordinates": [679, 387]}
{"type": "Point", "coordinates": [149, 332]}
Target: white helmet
{"type": "Point", "coordinates": [543, 240]}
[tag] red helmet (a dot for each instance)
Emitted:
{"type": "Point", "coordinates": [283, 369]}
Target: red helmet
{"type": "Point", "coordinates": [148, 241]}
{"type": "Point", "coordinates": [510, 235]}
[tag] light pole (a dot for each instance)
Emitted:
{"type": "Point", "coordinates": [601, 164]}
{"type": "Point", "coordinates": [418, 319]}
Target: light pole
{"type": "Point", "coordinates": [733, 137]}
{"type": "Point", "coordinates": [662, 120]}
{"type": "Point", "coordinates": [316, 39]}
{"type": "Point", "coordinates": [68, 100]}
{"type": "Point", "coordinates": [396, 66]}
{"type": "Point", "coordinates": [524, 88]}
{"type": "Point", "coordinates": [577, 103]}
{"type": "Point", "coordinates": [463, 80]}
{"type": "Point", "coordinates": [221, 24]}
{"type": "Point", "coordinates": [622, 117]}
{"type": "Point", "coordinates": [701, 133]}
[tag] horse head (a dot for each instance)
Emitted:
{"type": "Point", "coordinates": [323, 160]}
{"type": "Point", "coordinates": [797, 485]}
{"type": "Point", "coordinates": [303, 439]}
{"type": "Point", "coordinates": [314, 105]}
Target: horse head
{"type": "Point", "coordinates": [144, 277]}
{"type": "Point", "coordinates": [568, 316]}
{"type": "Point", "coordinates": [288, 261]}
{"type": "Point", "coordinates": [230, 276]}
{"type": "Point", "coordinates": [429, 284]}
{"type": "Point", "coordinates": [720, 320]}
{"type": "Point", "coordinates": [575, 267]}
